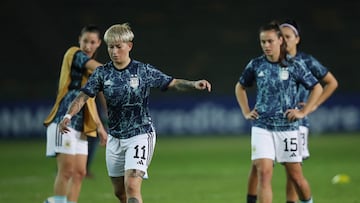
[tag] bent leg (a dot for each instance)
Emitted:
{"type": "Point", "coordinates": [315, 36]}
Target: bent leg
{"type": "Point", "coordinates": [252, 185]}
{"type": "Point", "coordinates": [295, 174]}
{"type": "Point", "coordinates": [119, 188]}
{"type": "Point", "coordinates": [291, 194]}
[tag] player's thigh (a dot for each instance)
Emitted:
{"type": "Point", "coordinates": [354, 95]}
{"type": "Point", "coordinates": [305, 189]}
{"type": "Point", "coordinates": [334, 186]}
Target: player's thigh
{"type": "Point", "coordinates": [115, 157]}
{"type": "Point", "coordinates": [65, 163]}
{"type": "Point", "coordinates": [80, 164]}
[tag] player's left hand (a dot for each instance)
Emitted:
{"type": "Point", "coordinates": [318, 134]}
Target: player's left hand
{"type": "Point", "coordinates": [294, 114]}
{"type": "Point", "coordinates": [103, 135]}
{"type": "Point", "coordinates": [63, 125]}
{"type": "Point", "coordinates": [203, 84]}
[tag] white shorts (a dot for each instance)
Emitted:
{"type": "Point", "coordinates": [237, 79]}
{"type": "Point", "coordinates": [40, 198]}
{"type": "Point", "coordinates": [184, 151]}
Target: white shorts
{"type": "Point", "coordinates": [304, 134]}
{"type": "Point", "coordinates": [71, 143]}
{"type": "Point", "coordinates": [280, 146]}
{"type": "Point", "coordinates": [132, 153]}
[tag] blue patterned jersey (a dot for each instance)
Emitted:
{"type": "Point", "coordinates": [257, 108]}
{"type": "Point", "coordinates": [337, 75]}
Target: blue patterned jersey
{"type": "Point", "coordinates": [77, 70]}
{"type": "Point", "coordinates": [318, 70]}
{"type": "Point", "coordinates": [277, 89]}
{"type": "Point", "coordinates": [127, 95]}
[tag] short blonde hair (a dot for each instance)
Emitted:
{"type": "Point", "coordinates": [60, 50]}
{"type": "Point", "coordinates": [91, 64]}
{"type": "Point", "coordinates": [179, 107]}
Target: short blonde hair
{"type": "Point", "coordinates": [119, 33]}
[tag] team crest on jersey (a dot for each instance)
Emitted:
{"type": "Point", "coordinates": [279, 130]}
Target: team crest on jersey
{"type": "Point", "coordinates": [134, 81]}
{"type": "Point", "coordinates": [108, 82]}
{"type": "Point", "coordinates": [284, 74]}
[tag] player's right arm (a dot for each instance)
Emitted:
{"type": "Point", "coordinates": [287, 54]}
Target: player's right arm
{"type": "Point", "coordinates": [74, 108]}
{"type": "Point", "coordinates": [242, 99]}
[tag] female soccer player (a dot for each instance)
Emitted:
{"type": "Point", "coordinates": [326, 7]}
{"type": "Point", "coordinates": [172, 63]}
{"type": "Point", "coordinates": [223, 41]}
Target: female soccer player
{"type": "Point", "coordinates": [71, 148]}
{"type": "Point", "coordinates": [274, 132]}
{"type": "Point", "coordinates": [291, 33]}
{"type": "Point", "coordinates": [126, 84]}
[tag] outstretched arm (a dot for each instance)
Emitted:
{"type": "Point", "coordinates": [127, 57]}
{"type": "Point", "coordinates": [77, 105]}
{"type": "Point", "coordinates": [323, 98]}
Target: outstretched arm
{"type": "Point", "coordinates": [74, 108]}
{"type": "Point", "coordinates": [183, 85]}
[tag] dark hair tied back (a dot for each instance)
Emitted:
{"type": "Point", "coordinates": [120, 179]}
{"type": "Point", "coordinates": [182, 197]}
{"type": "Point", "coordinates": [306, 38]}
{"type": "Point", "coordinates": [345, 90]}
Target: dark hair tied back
{"type": "Point", "coordinates": [274, 25]}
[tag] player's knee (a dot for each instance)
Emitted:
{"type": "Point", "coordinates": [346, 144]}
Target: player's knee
{"type": "Point", "coordinates": [66, 174]}
{"type": "Point", "coordinates": [133, 181]}
{"type": "Point", "coordinates": [264, 176]}
{"type": "Point", "coordinates": [132, 187]}
{"type": "Point", "coordinates": [79, 174]}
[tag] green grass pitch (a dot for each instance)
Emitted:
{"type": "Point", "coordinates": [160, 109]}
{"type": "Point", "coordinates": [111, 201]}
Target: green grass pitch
{"type": "Point", "coordinates": [190, 169]}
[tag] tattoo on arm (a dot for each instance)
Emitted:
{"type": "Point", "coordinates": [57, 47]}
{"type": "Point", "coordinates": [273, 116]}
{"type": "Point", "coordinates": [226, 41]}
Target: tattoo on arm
{"type": "Point", "coordinates": [183, 85]}
{"type": "Point", "coordinates": [78, 103]}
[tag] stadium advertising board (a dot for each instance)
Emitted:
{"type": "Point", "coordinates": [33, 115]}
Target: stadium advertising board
{"type": "Point", "coordinates": [186, 116]}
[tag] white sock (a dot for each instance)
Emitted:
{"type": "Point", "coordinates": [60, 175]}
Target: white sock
{"type": "Point", "coordinates": [308, 201]}
{"type": "Point", "coordinates": [60, 199]}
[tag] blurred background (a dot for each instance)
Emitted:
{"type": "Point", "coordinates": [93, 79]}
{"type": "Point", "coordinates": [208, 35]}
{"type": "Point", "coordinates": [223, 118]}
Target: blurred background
{"type": "Point", "coordinates": [210, 39]}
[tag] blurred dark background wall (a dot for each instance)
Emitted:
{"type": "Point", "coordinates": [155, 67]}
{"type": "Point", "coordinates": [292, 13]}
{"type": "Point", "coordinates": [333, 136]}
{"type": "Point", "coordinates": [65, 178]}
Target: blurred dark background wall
{"type": "Point", "coordinates": [187, 39]}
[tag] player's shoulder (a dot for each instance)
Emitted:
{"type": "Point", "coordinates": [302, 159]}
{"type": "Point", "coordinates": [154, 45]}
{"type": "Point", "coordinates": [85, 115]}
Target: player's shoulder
{"type": "Point", "coordinates": [259, 59]}
{"type": "Point", "coordinates": [254, 62]}
{"type": "Point", "coordinates": [136, 65]}
{"type": "Point", "coordinates": [311, 62]}
{"type": "Point", "coordinates": [106, 67]}
{"type": "Point", "coordinates": [297, 63]}
{"type": "Point", "coordinates": [143, 66]}
{"type": "Point", "coordinates": [302, 54]}
{"type": "Point", "coordinates": [135, 62]}
{"type": "Point", "coordinates": [305, 56]}
{"type": "Point", "coordinates": [72, 51]}
{"type": "Point", "coordinates": [140, 63]}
